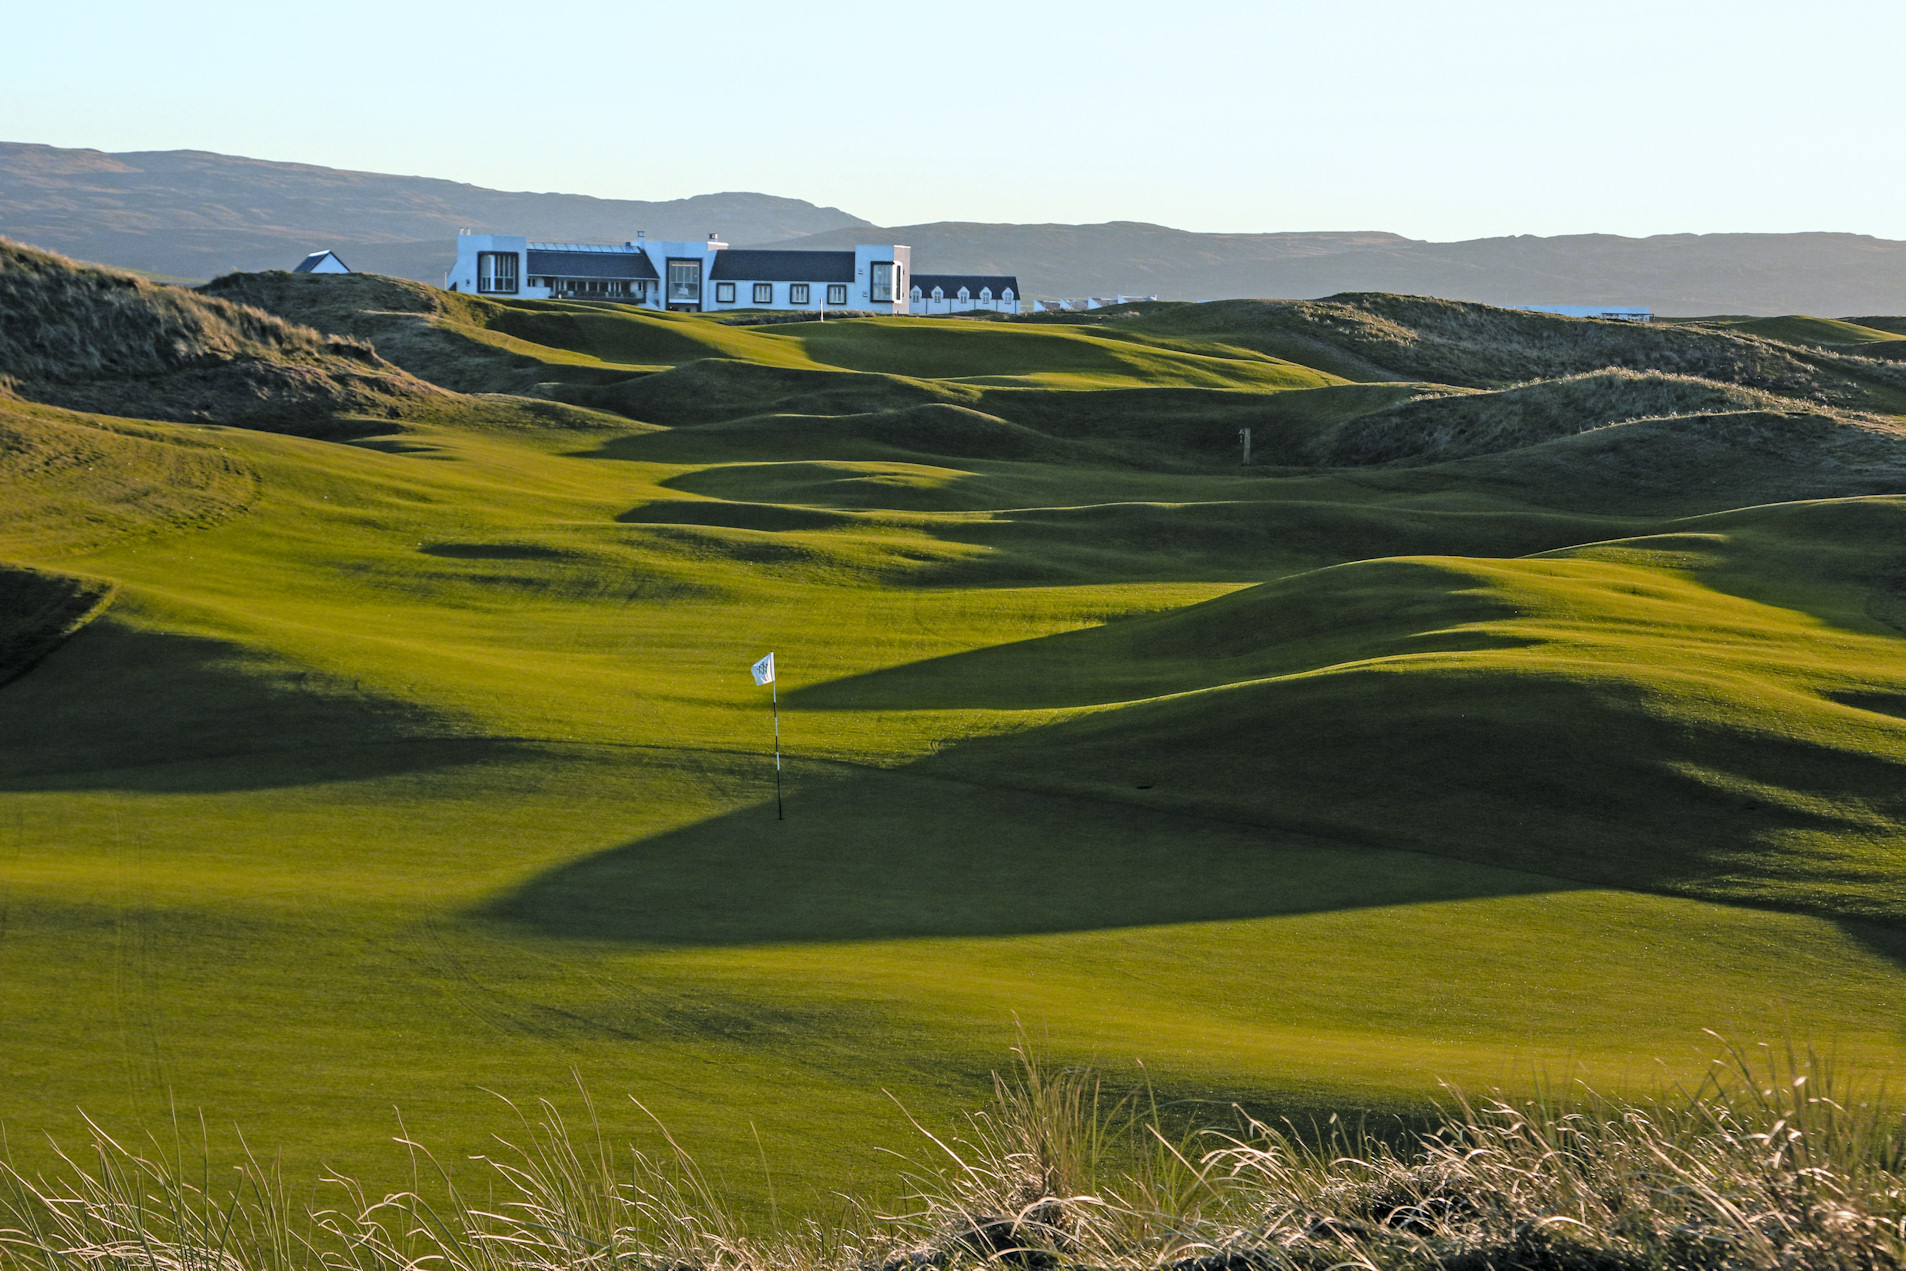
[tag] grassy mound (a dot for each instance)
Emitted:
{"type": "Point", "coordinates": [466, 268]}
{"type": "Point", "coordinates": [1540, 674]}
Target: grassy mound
{"type": "Point", "coordinates": [1599, 713]}
{"type": "Point", "coordinates": [710, 390]}
{"type": "Point", "coordinates": [98, 340]}
{"type": "Point", "coordinates": [482, 345]}
{"type": "Point", "coordinates": [1385, 337]}
{"type": "Point", "coordinates": [72, 481]}
{"type": "Point", "coordinates": [1703, 463]}
{"type": "Point", "coordinates": [1457, 426]}
{"type": "Point", "coordinates": [1828, 333]}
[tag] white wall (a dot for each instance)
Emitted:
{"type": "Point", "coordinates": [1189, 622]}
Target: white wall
{"type": "Point", "coordinates": [859, 295]}
{"type": "Point", "coordinates": [926, 304]}
{"type": "Point", "coordinates": [463, 274]}
{"type": "Point", "coordinates": [858, 291]}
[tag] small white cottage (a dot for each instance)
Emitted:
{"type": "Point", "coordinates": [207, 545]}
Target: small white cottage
{"type": "Point", "coordinates": [322, 263]}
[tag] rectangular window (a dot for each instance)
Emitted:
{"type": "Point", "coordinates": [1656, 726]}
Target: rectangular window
{"type": "Point", "coordinates": [837, 293]}
{"type": "Point", "coordinates": [496, 271]}
{"type": "Point", "coordinates": [797, 293]}
{"type": "Point", "coordinates": [883, 282]}
{"type": "Point", "coordinates": [724, 293]}
{"type": "Point", "coordinates": [764, 293]}
{"type": "Point", "coordinates": [685, 282]}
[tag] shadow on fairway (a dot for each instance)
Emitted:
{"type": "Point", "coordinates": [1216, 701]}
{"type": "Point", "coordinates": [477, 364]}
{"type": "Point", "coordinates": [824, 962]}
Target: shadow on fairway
{"type": "Point", "coordinates": [123, 708]}
{"type": "Point", "coordinates": [1876, 938]}
{"type": "Point", "coordinates": [1368, 609]}
{"type": "Point", "coordinates": [877, 855]}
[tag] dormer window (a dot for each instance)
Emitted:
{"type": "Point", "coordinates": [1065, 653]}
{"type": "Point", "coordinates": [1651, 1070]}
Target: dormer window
{"type": "Point", "coordinates": [986, 294]}
{"type": "Point", "coordinates": [939, 293]}
{"type": "Point", "coordinates": [916, 293]}
{"type": "Point", "coordinates": [1006, 294]}
{"type": "Point", "coordinates": [965, 295]}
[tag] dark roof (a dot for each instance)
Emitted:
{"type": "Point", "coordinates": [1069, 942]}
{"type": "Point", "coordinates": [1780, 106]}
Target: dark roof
{"type": "Point", "coordinates": [788, 266]}
{"type": "Point", "coordinates": [310, 262]}
{"type": "Point", "coordinates": [544, 263]}
{"type": "Point", "coordinates": [950, 284]}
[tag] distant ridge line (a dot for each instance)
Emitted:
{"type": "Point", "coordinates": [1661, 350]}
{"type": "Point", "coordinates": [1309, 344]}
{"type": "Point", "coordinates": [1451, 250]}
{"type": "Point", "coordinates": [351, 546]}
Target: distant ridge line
{"type": "Point", "coordinates": [196, 214]}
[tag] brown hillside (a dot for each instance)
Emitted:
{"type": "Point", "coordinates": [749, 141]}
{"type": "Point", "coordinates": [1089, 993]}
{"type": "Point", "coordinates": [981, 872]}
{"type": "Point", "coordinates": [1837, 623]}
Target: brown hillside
{"type": "Point", "coordinates": [99, 340]}
{"type": "Point", "coordinates": [1390, 337]}
{"type": "Point", "coordinates": [1462, 425]}
{"type": "Point", "coordinates": [421, 328]}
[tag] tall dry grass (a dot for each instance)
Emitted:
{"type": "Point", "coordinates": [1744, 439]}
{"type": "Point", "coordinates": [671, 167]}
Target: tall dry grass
{"type": "Point", "coordinates": [1776, 1160]}
{"type": "Point", "coordinates": [94, 339]}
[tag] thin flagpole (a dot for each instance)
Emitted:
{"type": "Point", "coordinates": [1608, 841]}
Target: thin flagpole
{"type": "Point", "coordinates": [774, 702]}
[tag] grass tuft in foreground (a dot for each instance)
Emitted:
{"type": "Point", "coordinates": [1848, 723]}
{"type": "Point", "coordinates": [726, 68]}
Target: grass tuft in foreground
{"type": "Point", "coordinates": [1774, 1161]}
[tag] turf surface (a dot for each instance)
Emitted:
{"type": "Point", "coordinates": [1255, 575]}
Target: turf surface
{"type": "Point", "coordinates": [407, 768]}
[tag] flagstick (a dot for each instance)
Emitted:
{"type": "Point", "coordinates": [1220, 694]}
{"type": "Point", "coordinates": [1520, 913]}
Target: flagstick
{"type": "Point", "coordinates": [774, 702]}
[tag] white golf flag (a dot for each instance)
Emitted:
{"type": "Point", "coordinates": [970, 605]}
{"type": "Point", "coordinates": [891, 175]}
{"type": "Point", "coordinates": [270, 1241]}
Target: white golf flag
{"type": "Point", "coordinates": [763, 670]}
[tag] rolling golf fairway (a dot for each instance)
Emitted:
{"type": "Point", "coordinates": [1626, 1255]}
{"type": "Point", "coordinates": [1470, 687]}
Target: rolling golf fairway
{"type": "Point", "coordinates": [424, 777]}
{"type": "Point", "coordinates": [372, 778]}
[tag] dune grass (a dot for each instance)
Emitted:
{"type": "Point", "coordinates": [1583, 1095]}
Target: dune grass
{"type": "Point", "coordinates": [425, 764]}
{"type": "Point", "coordinates": [1801, 329]}
{"type": "Point", "coordinates": [1771, 1159]}
{"type": "Point", "coordinates": [100, 339]}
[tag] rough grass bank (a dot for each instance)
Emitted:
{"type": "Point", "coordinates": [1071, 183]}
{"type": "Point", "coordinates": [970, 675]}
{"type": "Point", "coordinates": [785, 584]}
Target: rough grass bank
{"type": "Point", "coordinates": [1773, 1161]}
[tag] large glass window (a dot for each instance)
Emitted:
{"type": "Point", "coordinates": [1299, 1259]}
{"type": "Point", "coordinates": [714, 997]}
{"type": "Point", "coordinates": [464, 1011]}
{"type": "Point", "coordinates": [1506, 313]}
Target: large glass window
{"type": "Point", "coordinates": [883, 282]}
{"type": "Point", "coordinates": [685, 282]}
{"type": "Point", "coordinates": [764, 293]}
{"type": "Point", "coordinates": [496, 271]}
{"type": "Point", "coordinates": [797, 293]}
{"type": "Point", "coordinates": [837, 293]}
{"type": "Point", "coordinates": [724, 293]}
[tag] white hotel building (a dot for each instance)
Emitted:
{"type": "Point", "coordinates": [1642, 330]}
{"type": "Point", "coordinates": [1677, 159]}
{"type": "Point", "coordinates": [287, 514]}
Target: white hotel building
{"type": "Point", "coordinates": [710, 277]}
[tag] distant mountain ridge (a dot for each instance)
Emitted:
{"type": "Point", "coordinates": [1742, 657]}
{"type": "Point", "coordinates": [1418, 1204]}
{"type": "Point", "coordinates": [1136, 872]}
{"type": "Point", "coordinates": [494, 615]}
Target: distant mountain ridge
{"type": "Point", "coordinates": [1674, 274]}
{"type": "Point", "coordinates": [195, 214]}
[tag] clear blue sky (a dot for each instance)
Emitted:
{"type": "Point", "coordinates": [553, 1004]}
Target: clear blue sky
{"type": "Point", "coordinates": [1439, 120]}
